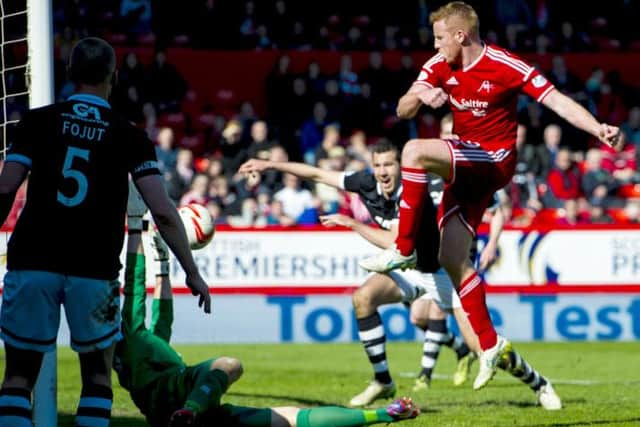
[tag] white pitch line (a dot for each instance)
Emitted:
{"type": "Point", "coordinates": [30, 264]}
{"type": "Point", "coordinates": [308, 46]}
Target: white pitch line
{"type": "Point", "coordinates": [554, 381]}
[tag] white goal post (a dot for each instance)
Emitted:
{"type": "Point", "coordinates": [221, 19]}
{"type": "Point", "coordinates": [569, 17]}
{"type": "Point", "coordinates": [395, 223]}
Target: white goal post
{"type": "Point", "coordinates": [41, 92]}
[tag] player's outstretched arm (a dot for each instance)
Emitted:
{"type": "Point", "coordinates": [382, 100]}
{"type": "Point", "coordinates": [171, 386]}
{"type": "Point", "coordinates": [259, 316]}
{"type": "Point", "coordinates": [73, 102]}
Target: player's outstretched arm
{"type": "Point", "coordinates": [578, 116]}
{"type": "Point", "coordinates": [135, 276]}
{"type": "Point", "coordinates": [378, 236]}
{"type": "Point", "coordinates": [134, 307]}
{"type": "Point", "coordinates": [11, 177]}
{"type": "Point", "coordinates": [172, 231]}
{"type": "Point", "coordinates": [162, 307]}
{"type": "Point", "coordinates": [302, 170]}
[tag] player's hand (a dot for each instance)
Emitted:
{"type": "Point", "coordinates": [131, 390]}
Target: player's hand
{"type": "Point", "coordinates": [611, 136]}
{"type": "Point", "coordinates": [488, 256]}
{"type": "Point", "coordinates": [434, 98]}
{"type": "Point", "coordinates": [200, 289]}
{"type": "Point", "coordinates": [336, 219]}
{"type": "Point", "coordinates": [136, 208]}
{"type": "Point", "coordinates": [253, 165]}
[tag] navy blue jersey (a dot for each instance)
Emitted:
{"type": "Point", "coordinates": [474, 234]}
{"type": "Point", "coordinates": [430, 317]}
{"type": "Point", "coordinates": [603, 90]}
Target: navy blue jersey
{"type": "Point", "coordinates": [385, 211]}
{"type": "Point", "coordinates": [79, 153]}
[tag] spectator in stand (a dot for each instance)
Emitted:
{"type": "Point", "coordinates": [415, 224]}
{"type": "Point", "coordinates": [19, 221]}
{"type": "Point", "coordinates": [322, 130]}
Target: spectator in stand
{"type": "Point", "coordinates": [544, 155]}
{"type": "Point", "coordinates": [278, 84]}
{"type": "Point", "coordinates": [598, 213]}
{"type": "Point", "coordinates": [277, 216]}
{"type": "Point", "coordinates": [150, 120]}
{"type": "Point", "coordinates": [632, 211]}
{"type": "Point", "coordinates": [198, 191]}
{"type": "Point", "coordinates": [165, 85]}
{"type": "Point", "coordinates": [250, 215]}
{"type": "Point", "coordinates": [295, 200]}
{"type": "Point", "coordinates": [357, 147]}
{"type": "Point", "coordinates": [564, 80]}
{"type": "Point", "coordinates": [563, 181]}
{"type": "Point", "coordinates": [315, 79]}
{"type": "Point", "coordinates": [523, 190]}
{"type": "Point", "coordinates": [131, 72]}
{"type": "Point", "coordinates": [165, 150]}
{"type": "Point", "coordinates": [378, 76]}
{"type": "Point", "coordinates": [136, 17]}
{"type": "Point", "coordinates": [260, 145]}
{"type": "Point", "coordinates": [631, 127]}
{"type": "Point", "coordinates": [570, 215]}
{"type": "Point", "coordinates": [598, 183]}
{"type": "Point", "coordinates": [621, 164]}
{"type": "Point", "coordinates": [232, 147]}
{"type": "Point", "coordinates": [220, 191]}
{"type": "Point", "coordinates": [271, 180]}
{"type": "Point", "coordinates": [312, 132]}
{"type": "Point", "coordinates": [179, 179]}
{"type": "Point", "coordinates": [330, 139]}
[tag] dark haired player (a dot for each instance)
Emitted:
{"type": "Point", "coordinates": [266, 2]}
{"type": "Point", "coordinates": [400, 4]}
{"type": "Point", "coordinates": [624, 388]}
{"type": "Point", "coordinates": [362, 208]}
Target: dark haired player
{"type": "Point", "coordinates": [66, 245]}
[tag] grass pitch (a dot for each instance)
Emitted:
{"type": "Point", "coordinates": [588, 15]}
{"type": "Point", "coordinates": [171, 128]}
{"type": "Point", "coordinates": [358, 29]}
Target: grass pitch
{"type": "Point", "coordinates": [599, 383]}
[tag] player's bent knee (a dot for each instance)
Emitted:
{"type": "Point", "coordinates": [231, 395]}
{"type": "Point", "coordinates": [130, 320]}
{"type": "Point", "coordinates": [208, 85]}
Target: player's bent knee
{"type": "Point", "coordinates": [413, 150]}
{"type": "Point", "coordinates": [419, 320]}
{"type": "Point", "coordinates": [362, 301]}
{"type": "Point", "coordinates": [231, 366]}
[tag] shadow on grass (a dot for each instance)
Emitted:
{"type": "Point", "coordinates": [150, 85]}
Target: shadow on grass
{"type": "Point", "coordinates": [289, 399]}
{"type": "Point", "coordinates": [68, 420]}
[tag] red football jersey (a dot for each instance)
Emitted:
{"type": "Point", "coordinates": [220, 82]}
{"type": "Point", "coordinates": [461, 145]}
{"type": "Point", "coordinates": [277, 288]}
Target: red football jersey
{"type": "Point", "coordinates": [483, 96]}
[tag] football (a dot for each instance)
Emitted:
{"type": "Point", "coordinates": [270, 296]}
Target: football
{"type": "Point", "coordinates": [198, 223]}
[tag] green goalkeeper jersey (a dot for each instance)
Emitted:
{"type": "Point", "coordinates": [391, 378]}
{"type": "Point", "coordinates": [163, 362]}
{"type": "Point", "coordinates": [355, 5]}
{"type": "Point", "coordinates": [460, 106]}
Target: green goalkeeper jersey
{"type": "Point", "coordinates": [144, 354]}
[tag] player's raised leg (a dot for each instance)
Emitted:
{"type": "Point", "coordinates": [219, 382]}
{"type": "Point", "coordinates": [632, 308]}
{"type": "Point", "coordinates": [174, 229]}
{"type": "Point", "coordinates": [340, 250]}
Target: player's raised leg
{"type": "Point", "coordinates": [419, 156]}
{"type": "Point", "coordinates": [379, 289]}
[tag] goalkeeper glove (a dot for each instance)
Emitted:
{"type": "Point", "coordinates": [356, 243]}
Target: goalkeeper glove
{"type": "Point", "coordinates": [136, 208]}
{"type": "Point", "coordinates": [161, 254]}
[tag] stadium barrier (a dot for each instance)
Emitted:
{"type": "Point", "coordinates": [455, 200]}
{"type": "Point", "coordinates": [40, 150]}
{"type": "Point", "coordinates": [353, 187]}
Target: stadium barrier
{"type": "Point", "coordinates": [275, 285]}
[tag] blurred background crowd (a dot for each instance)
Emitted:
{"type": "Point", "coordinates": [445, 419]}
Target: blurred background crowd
{"type": "Point", "coordinates": [303, 110]}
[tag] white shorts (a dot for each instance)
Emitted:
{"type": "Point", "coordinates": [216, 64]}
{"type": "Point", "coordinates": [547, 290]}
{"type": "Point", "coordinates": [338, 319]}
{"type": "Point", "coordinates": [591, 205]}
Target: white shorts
{"type": "Point", "coordinates": [432, 286]}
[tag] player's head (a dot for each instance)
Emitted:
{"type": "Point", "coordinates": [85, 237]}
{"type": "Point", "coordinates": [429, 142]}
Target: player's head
{"type": "Point", "coordinates": [455, 25]}
{"type": "Point", "coordinates": [446, 126]}
{"type": "Point", "coordinates": [93, 63]}
{"type": "Point", "coordinates": [385, 159]}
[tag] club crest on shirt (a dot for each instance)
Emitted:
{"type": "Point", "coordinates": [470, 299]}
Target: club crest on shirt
{"type": "Point", "coordinates": [486, 86]}
{"type": "Point", "coordinates": [539, 81]}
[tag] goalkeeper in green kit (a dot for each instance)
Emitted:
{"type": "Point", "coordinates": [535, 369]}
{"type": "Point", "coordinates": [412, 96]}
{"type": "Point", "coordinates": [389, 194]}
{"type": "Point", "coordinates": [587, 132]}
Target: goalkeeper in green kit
{"type": "Point", "coordinates": [169, 392]}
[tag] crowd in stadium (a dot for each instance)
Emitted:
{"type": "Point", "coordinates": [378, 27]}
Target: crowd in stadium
{"type": "Point", "coordinates": [329, 119]}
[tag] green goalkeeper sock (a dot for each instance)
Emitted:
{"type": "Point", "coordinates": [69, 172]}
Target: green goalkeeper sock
{"type": "Point", "coordinates": [334, 416]}
{"type": "Point", "coordinates": [208, 389]}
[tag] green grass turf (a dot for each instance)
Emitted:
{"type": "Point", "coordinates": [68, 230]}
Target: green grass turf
{"type": "Point", "coordinates": [598, 382]}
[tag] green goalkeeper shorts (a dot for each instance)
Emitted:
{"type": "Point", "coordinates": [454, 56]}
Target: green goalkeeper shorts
{"type": "Point", "coordinates": [171, 391]}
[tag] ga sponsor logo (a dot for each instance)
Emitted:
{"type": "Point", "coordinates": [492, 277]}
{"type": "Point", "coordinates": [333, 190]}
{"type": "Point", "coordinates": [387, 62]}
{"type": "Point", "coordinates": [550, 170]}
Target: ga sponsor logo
{"type": "Point", "coordinates": [85, 110]}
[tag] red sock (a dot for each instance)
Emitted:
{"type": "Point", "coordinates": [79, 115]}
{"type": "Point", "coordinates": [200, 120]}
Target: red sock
{"type": "Point", "coordinates": [474, 303]}
{"type": "Point", "coordinates": [414, 189]}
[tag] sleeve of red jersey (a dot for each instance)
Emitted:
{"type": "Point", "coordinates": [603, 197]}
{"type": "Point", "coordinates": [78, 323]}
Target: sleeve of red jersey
{"type": "Point", "coordinates": [536, 85]}
{"type": "Point", "coordinates": [429, 72]}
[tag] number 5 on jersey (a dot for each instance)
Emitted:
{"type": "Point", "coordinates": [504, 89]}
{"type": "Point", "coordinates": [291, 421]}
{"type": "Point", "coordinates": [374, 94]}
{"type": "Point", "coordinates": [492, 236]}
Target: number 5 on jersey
{"type": "Point", "coordinates": [81, 179]}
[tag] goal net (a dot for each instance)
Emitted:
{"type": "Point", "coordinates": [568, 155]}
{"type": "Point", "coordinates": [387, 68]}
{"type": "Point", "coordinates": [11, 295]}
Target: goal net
{"type": "Point", "coordinates": [14, 66]}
